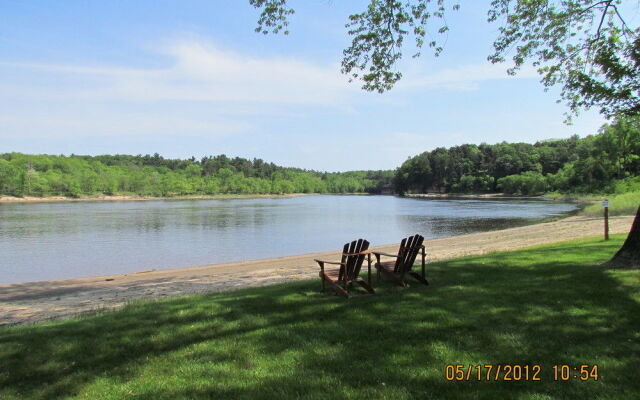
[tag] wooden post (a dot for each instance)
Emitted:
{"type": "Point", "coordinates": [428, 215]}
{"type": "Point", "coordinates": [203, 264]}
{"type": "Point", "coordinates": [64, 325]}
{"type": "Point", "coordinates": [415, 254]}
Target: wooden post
{"type": "Point", "coordinates": [606, 219]}
{"type": "Point", "coordinates": [369, 268]}
{"type": "Point", "coordinates": [423, 257]}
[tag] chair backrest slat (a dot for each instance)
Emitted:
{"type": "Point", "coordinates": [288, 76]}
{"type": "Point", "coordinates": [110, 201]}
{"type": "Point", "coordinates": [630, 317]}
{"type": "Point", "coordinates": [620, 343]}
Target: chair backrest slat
{"type": "Point", "coordinates": [352, 263]}
{"type": "Point", "coordinates": [407, 253]}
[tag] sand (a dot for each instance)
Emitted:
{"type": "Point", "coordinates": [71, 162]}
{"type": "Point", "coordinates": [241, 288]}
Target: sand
{"type": "Point", "coordinates": [27, 303]}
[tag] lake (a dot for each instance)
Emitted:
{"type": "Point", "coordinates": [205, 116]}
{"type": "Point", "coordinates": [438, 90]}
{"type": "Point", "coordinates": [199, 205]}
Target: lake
{"type": "Point", "coordinates": [46, 241]}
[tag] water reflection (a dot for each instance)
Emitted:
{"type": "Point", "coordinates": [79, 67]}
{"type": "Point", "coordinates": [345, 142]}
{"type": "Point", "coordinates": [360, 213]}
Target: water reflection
{"type": "Point", "coordinates": [65, 240]}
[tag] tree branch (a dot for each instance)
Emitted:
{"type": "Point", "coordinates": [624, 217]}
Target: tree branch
{"type": "Point", "coordinates": [608, 2]}
{"type": "Point", "coordinates": [604, 14]}
{"type": "Point", "coordinates": [624, 23]}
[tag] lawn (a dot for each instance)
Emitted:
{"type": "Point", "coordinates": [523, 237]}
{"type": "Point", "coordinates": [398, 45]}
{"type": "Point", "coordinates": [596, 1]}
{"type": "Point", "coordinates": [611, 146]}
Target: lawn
{"type": "Point", "coordinates": [542, 306]}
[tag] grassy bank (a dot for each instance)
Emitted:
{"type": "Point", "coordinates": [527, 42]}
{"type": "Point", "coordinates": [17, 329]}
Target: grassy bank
{"type": "Point", "coordinates": [619, 204]}
{"type": "Point", "coordinates": [548, 305]}
{"type": "Point", "coordinates": [623, 196]}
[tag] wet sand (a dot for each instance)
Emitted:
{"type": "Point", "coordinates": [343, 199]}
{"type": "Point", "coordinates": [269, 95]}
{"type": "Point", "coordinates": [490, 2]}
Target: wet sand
{"type": "Point", "coordinates": [27, 303]}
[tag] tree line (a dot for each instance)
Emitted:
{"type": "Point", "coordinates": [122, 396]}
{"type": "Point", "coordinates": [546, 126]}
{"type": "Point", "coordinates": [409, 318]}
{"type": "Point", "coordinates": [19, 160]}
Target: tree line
{"type": "Point", "coordinates": [592, 164]}
{"type": "Point", "coordinates": [154, 175]}
{"type": "Point", "coordinates": [588, 165]}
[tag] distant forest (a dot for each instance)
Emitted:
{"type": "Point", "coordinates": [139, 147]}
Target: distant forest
{"type": "Point", "coordinates": [153, 175]}
{"type": "Point", "coordinates": [593, 164]}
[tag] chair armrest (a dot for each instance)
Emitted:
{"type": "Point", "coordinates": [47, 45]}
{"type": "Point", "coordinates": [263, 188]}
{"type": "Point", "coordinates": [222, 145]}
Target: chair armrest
{"type": "Point", "coordinates": [328, 262]}
{"type": "Point", "coordinates": [377, 253]}
{"type": "Point", "coordinates": [361, 253]}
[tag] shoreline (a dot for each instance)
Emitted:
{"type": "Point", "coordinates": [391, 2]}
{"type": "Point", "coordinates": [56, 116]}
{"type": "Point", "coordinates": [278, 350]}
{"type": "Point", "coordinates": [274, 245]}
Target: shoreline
{"type": "Point", "coordinates": [26, 303]}
{"type": "Point", "coordinates": [471, 196]}
{"type": "Point", "coordinates": [498, 196]}
{"type": "Point", "coordinates": [130, 197]}
{"type": "Point", "coordinates": [97, 198]}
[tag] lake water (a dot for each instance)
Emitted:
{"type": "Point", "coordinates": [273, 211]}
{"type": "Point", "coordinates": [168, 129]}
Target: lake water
{"type": "Point", "coordinates": [45, 241]}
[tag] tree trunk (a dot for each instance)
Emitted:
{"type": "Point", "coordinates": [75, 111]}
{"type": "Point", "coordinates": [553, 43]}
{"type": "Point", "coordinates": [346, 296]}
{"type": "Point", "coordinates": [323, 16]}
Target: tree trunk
{"type": "Point", "coordinates": [629, 254]}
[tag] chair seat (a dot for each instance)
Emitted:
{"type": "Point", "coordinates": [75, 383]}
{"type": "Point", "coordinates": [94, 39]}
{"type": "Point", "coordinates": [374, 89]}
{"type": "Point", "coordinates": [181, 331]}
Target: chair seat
{"type": "Point", "coordinates": [332, 273]}
{"type": "Point", "coordinates": [387, 265]}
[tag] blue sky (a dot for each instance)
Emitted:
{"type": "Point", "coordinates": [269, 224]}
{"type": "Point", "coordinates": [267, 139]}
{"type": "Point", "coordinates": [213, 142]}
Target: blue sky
{"type": "Point", "coordinates": [191, 77]}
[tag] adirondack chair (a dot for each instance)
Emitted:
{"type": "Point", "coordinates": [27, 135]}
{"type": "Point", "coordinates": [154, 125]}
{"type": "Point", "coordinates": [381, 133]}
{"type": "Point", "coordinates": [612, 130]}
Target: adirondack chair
{"type": "Point", "coordinates": [403, 264]}
{"type": "Point", "coordinates": [341, 278]}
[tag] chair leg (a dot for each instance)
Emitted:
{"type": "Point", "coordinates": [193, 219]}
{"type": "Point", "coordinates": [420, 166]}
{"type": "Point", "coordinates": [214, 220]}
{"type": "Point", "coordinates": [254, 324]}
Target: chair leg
{"type": "Point", "coordinates": [366, 286]}
{"type": "Point", "coordinates": [419, 277]}
{"type": "Point", "coordinates": [340, 290]}
{"type": "Point", "coordinates": [394, 278]}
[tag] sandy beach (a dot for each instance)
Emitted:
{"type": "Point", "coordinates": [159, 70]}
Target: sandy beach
{"type": "Point", "coordinates": [41, 301]}
{"type": "Point", "coordinates": [498, 196]}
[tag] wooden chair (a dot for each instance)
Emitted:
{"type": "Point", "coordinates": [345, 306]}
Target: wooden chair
{"type": "Point", "coordinates": [403, 264]}
{"type": "Point", "coordinates": [340, 279]}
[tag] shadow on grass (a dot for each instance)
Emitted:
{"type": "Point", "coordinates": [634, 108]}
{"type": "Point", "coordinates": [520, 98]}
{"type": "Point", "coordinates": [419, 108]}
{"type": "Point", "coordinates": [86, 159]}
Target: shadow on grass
{"type": "Point", "coordinates": [546, 306]}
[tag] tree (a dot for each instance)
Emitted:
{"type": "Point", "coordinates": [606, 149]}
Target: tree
{"type": "Point", "coordinates": [586, 46]}
{"type": "Point", "coordinates": [629, 254]}
{"type": "Point", "coordinates": [622, 141]}
{"type": "Point", "coordinates": [9, 179]}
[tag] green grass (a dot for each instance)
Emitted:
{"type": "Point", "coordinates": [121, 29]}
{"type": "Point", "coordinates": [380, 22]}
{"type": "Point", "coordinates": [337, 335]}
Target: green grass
{"type": "Point", "coordinates": [623, 196]}
{"type": "Point", "coordinates": [579, 197]}
{"type": "Point", "coordinates": [545, 305]}
{"type": "Point", "coordinates": [619, 204]}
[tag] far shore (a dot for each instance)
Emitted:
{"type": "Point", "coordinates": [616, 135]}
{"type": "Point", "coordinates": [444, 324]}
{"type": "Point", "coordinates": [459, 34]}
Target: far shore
{"type": "Point", "coordinates": [469, 196]}
{"type": "Point", "coordinates": [131, 197]}
{"type": "Point", "coordinates": [25, 303]}
{"type": "Point", "coordinates": [55, 199]}
{"type": "Point", "coordinates": [568, 198]}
